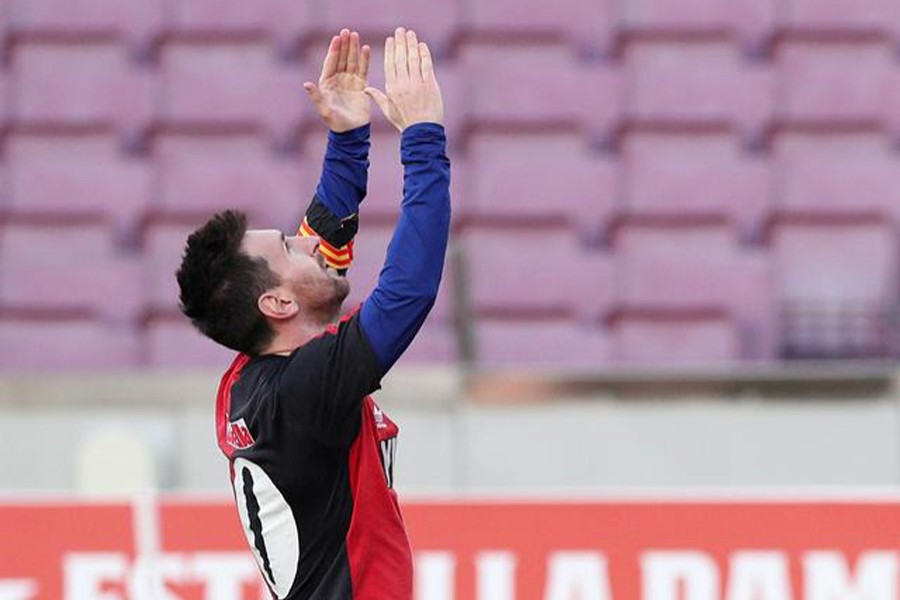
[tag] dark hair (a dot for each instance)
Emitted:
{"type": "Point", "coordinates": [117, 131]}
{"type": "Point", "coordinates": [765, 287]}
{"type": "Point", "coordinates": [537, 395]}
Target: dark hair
{"type": "Point", "coordinates": [220, 285]}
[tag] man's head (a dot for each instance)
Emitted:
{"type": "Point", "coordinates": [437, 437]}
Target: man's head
{"type": "Point", "coordinates": [240, 287]}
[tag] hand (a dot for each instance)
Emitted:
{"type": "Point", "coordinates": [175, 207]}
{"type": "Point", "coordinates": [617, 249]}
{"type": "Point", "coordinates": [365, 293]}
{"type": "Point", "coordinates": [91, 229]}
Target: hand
{"type": "Point", "coordinates": [340, 97]}
{"type": "Point", "coordinates": [413, 95]}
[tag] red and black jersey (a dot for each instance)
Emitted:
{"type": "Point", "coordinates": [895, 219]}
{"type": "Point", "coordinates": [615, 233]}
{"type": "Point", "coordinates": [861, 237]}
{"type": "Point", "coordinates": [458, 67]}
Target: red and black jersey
{"type": "Point", "coordinates": [311, 459]}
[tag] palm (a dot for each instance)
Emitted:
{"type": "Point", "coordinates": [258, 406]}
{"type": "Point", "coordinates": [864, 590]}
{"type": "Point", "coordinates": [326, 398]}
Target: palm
{"type": "Point", "coordinates": [340, 98]}
{"type": "Point", "coordinates": [346, 103]}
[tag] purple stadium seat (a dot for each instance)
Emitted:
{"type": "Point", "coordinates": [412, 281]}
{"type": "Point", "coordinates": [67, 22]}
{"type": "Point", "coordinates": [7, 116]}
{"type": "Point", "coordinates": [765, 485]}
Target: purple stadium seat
{"type": "Point", "coordinates": [837, 16]}
{"type": "Point", "coordinates": [674, 339]}
{"type": "Point", "coordinates": [835, 262]}
{"type": "Point", "coordinates": [839, 184]}
{"type": "Point", "coordinates": [174, 343]}
{"type": "Point", "coordinates": [72, 344]}
{"type": "Point", "coordinates": [284, 21]}
{"type": "Point", "coordinates": [585, 22]}
{"type": "Point", "coordinates": [163, 245]}
{"type": "Point", "coordinates": [677, 269]}
{"type": "Point", "coordinates": [228, 85]}
{"type": "Point", "coordinates": [435, 343]}
{"type": "Point", "coordinates": [538, 178]}
{"type": "Point", "coordinates": [434, 22]}
{"type": "Point", "coordinates": [134, 19]}
{"type": "Point", "coordinates": [77, 175]}
{"type": "Point", "coordinates": [79, 85]}
{"type": "Point", "coordinates": [835, 82]}
{"type": "Point", "coordinates": [33, 242]}
{"type": "Point", "coordinates": [695, 83]}
{"type": "Point", "coordinates": [552, 344]}
{"type": "Point", "coordinates": [69, 285]}
{"type": "Point", "coordinates": [198, 175]}
{"type": "Point", "coordinates": [535, 272]}
{"type": "Point", "coordinates": [747, 18]}
{"type": "Point", "coordinates": [836, 287]}
{"type": "Point", "coordinates": [503, 91]}
{"type": "Point", "coordinates": [695, 176]}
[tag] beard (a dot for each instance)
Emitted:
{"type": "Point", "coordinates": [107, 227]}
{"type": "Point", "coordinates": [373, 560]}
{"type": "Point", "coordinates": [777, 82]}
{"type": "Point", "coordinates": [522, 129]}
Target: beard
{"type": "Point", "coordinates": [325, 299]}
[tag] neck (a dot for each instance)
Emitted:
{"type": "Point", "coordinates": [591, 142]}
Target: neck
{"type": "Point", "coordinates": [290, 336]}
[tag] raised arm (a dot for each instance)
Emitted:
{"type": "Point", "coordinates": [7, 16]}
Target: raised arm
{"type": "Point", "coordinates": [341, 102]}
{"type": "Point", "coordinates": [408, 284]}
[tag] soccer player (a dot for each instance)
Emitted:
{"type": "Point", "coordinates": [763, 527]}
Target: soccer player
{"type": "Point", "coordinates": [311, 454]}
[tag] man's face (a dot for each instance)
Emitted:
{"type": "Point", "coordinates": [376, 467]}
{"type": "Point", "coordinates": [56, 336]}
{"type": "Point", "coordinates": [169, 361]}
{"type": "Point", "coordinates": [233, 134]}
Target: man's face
{"type": "Point", "coordinates": [304, 275]}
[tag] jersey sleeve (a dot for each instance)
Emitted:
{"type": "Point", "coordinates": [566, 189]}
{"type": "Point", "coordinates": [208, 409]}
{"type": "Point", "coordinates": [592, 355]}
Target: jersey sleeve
{"type": "Point", "coordinates": [408, 283]}
{"type": "Point", "coordinates": [332, 215]}
{"type": "Point", "coordinates": [326, 380]}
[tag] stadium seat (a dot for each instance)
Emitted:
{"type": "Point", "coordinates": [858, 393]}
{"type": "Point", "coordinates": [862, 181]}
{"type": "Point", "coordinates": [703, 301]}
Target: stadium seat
{"type": "Point", "coordinates": [839, 184]}
{"type": "Point", "coordinates": [836, 286]}
{"type": "Point", "coordinates": [228, 86]}
{"type": "Point", "coordinates": [67, 285]}
{"type": "Point", "coordinates": [42, 345]}
{"type": "Point", "coordinates": [549, 344]}
{"type": "Point", "coordinates": [696, 83]}
{"type": "Point", "coordinates": [174, 343]}
{"type": "Point", "coordinates": [839, 17]}
{"type": "Point", "coordinates": [749, 19]}
{"type": "Point", "coordinates": [539, 178]}
{"type": "Point", "coordinates": [534, 273]}
{"type": "Point", "coordinates": [831, 83]}
{"type": "Point", "coordinates": [75, 176]}
{"type": "Point", "coordinates": [198, 175]}
{"type": "Point", "coordinates": [672, 339]}
{"type": "Point", "coordinates": [43, 242]}
{"type": "Point", "coordinates": [136, 20]}
{"type": "Point", "coordinates": [79, 85]}
{"type": "Point", "coordinates": [671, 270]}
{"type": "Point", "coordinates": [582, 22]}
{"type": "Point", "coordinates": [435, 343]}
{"type": "Point", "coordinates": [684, 177]}
{"type": "Point", "coordinates": [284, 22]}
{"type": "Point", "coordinates": [162, 249]}
{"type": "Point", "coordinates": [434, 22]}
{"type": "Point", "coordinates": [503, 92]}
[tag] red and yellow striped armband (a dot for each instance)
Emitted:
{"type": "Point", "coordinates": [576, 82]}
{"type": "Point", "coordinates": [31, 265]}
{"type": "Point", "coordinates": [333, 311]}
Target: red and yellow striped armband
{"type": "Point", "coordinates": [337, 258]}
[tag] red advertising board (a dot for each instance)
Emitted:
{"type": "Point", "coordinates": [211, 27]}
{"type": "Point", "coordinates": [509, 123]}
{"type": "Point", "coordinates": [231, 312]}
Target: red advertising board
{"type": "Point", "coordinates": [666, 549]}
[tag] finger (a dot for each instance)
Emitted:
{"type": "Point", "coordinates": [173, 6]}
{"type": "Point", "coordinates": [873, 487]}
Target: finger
{"type": "Point", "coordinates": [329, 67]}
{"type": "Point", "coordinates": [353, 55]}
{"type": "Point", "coordinates": [400, 62]}
{"type": "Point", "coordinates": [345, 50]}
{"type": "Point", "coordinates": [412, 56]}
{"type": "Point", "coordinates": [427, 65]}
{"type": "Point", "coordinates": [365, 55]}
{"type": "Point", "coordinates": [390, 73]}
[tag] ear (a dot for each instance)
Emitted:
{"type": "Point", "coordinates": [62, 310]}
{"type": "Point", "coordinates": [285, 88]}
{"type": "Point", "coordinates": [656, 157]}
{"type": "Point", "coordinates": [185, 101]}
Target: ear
{"type": "Point", "coordinates": [277, 306]}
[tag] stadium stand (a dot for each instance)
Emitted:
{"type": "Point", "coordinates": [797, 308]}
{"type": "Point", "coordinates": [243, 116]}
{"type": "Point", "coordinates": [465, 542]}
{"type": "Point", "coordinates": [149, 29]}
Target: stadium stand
{"type": "Point", "coordinates": [634, 183]}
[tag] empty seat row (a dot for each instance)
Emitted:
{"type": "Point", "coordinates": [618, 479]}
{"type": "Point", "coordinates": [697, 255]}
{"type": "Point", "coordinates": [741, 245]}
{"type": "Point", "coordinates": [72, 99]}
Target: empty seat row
{"type": "Point", "coordinates": [656, 83]}
{"type": "Point", "coordinates": [694, 278]}
{"type": "Point", "coordinates": [591, 22]}
{"type": "Point", "coordinates": [500, 178]}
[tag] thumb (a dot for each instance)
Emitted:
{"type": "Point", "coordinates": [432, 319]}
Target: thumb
{"type": "Point", "coordinates": [380, 99]}
{"type": "Point", "coordinates": [313, 92]}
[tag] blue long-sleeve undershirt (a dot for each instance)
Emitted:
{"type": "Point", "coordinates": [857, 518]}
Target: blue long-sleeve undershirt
{"type": "Point", "coordinates": [345, 172]}
{"type": "Point", "coordinates": [408, 284]}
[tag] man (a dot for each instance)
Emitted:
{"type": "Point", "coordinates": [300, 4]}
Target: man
{"type": "Point", "coordinates": [311, 455]}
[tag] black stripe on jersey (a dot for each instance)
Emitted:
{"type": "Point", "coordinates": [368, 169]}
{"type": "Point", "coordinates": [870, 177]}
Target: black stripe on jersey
{"type": "Point", "coordinates": [255, 523]}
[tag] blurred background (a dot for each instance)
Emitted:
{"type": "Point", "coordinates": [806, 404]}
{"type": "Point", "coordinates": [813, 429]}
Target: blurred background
{"type": "Point", "coordinates": [674, 259]}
